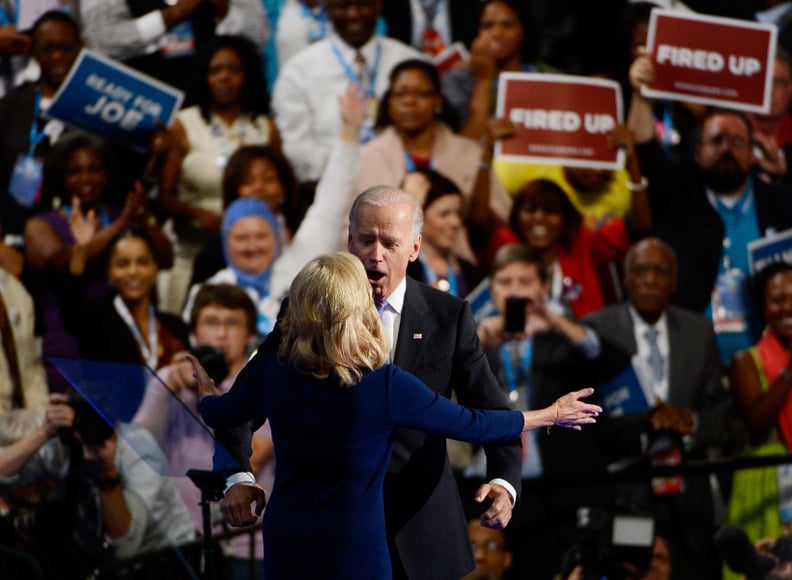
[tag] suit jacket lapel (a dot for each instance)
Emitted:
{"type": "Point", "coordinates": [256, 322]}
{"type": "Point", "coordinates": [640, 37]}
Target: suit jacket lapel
{"type": "Point", "coordinates": [411, 326]}
{"type": "Point", "coordinates": [626, 329]}
{"type": "Point", "coordinates": [676, 357]}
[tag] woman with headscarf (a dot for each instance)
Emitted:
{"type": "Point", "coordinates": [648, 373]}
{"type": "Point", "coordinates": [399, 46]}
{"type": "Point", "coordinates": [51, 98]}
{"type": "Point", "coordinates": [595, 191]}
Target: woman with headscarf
{"type": "Point", "coordinates": [255, 258]}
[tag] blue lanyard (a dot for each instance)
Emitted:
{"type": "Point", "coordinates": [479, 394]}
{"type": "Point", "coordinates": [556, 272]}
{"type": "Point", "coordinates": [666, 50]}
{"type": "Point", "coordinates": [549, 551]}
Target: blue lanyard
{"type": "Point", "coordinates": [36, 136]}
{"type": "Point", "coordinates": [350, 73]}
{"type": "Point", "coordinates": [9, 19]}
{"type": "Point", "coordinates": [668, 124]}
{"type": "Point", "coordinates": [102, 214]}
{"type": "Point", "coordinates": [432, 278]}
{"type": "Point", "coordinates": [319, 16]}
{"type": "Point", "coordinates": [508, 364]}
{"type": "Point", "coordinates": [731, 218]}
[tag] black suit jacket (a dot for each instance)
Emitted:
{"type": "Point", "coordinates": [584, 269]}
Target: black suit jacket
{"type": "Point", "coordinates": [427, 531]}
{"type": "Point", "coordinates": [16, 118]}
{"type": "Point", "coordinates": [683, 217]}
{"type": "Point", "coordinates": [694, 385]}
{"type": "Point", "coordinates": [464, 16]}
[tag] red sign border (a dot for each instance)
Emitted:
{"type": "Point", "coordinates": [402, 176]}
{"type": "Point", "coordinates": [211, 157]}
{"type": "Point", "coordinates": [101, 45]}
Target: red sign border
{"type": "Point", "coordinates": [505, 77]}
{"type": "Point", "coordinates": [716, 102]}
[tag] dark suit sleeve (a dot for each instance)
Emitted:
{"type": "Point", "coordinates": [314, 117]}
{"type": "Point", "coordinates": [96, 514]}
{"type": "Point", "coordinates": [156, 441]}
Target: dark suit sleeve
{"type": "Point", "coordinates": [714, 407]}
{"type": "Point", "coordinates": [476, 387]}
{"type": "Point", "coordinates": [237, 441]}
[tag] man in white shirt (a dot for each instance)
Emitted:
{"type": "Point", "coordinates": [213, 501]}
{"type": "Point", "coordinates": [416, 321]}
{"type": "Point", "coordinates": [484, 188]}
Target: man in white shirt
{"type": "Point", "coordinates": [304, 98]}
{"type": "Point", "coordinates": [155, 36]}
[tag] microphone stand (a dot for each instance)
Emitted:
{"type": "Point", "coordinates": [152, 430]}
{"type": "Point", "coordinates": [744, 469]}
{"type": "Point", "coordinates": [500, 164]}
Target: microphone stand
{"type": "Point", "coordinates": [211, 484]}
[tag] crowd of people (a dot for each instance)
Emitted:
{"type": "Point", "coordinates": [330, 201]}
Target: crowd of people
{"type": "Point", "coordinates": [311, 127]}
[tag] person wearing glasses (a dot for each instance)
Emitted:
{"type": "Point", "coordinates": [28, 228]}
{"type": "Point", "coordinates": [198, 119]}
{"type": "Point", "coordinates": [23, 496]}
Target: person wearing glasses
{"type": "Point", "coordinates": [708, 207]}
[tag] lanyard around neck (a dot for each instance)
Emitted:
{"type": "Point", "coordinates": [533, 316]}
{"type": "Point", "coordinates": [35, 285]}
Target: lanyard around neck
{"type": "Point", "coordinates": [508, 364]}
{"type": "Point", "coordinates": [147, 351]}
{"type": "Point", "coordinates": [350, 72]}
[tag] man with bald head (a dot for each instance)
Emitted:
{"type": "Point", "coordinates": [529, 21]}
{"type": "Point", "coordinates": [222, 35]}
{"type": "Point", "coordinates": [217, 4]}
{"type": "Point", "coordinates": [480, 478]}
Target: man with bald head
{"type": "Point", "coordinates": [676, 362]}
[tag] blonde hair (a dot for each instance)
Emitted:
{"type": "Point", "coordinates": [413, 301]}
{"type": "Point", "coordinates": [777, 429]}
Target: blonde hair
{"type": "Point", "coordinates": [332, 326]}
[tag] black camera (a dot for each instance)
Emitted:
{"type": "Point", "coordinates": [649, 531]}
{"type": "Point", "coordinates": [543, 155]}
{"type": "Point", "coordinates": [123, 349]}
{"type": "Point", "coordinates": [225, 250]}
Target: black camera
{"type": "Point", "coordinates": [92, 428]}
{"type": "Point", "coordinates": [213, 361]}
{"type": "Point", "coordinates": [610, 545]}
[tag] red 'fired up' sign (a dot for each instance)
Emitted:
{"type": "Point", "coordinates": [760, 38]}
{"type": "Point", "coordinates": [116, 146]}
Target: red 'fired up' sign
{"type": "Point", "coordinates": [560, 119]}
{"type": "Point", "coordinates": [709, 60]}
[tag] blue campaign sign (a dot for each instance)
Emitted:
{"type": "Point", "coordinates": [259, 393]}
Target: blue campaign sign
{"type": "Point", "coordinates": [110, 99]}
{"type": "Point", "coordinates": [765, 251]}
{"type": "Point", "coordinates": [623, 395]}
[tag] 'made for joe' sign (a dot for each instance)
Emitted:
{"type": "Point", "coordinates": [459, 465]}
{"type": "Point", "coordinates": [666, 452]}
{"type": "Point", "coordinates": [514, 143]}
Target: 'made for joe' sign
{"type": "Point", "coordinates": [560, 119]}
{"type": "Point", "coordinates": [105, 97]}
{"type": "Point", "coordinates": [714, 61]}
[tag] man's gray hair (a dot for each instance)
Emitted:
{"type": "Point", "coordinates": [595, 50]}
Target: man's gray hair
{"type": "Point", "coordinates": [384, 196]}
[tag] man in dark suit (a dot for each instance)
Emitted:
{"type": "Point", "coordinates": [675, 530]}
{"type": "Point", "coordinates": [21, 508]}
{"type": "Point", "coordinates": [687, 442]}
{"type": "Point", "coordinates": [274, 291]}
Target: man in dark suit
{"type": "Point", "coordinates": [708, 208]}
{"type": "Point", "coordinates": [27, 131]}
{"type": "Point", "coordinates": [676, 362]}
{"type": "Point", "coordinates": [433, 335]}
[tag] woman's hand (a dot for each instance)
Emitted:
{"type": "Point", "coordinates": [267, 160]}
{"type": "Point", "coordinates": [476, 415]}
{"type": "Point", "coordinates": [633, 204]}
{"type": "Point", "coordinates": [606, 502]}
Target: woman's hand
{"type": "Point", "coordinates": [352, 108]}
{"type": "Point", "coordinates": [770, 158]}
{"type": "Point", "coordinates": [82, 226]}
{"type": "Point", "coordinates": [622, 138]}
{"type": "Point", "coordinates": [482, 59]}
{"type": "Point", "coordinates": [206, 386]}
{"type": "Point", "coordinates": [641, 71]}
{"type": "Point", "coordinates": [572, 413]}
{"type": "Point", "coordinates": [135, 205]}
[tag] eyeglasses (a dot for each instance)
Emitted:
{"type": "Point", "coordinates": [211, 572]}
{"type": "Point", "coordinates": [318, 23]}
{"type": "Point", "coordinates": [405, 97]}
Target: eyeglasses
{"type": "Point", "coordinates": [734, 141]}
{"type": "Point", "coordinates": [227, 323]}
{"type": "Point", "coordinates": [487, 546]}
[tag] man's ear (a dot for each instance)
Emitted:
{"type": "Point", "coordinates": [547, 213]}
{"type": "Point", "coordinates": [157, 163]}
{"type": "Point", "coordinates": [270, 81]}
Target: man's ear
{"type": "Point", "coordinates": [416, 249]}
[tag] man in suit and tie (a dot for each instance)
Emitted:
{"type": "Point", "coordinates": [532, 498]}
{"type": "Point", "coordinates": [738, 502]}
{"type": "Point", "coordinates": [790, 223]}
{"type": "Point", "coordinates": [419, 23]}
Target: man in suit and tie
{"type": "Point", "coordinates": [433, 335]}
{"type": "Point", "coordinates": [675, 359]}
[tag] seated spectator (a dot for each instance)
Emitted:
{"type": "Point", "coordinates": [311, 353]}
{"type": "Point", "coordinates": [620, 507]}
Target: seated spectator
{"type": "Point", "coordinates": [231, 112]}
{"type": "Point", "coordinates": [760, 380]}
{"type": "Point", "coordinates": [254, 257]}
{"type": "Point", "coordinates": [23, 382]}
{"type": "Point", "coordinates": [259, 171]}
{"type": "Point", "coordinates": [492, 555]}
{"type": "Point", "coordinates": [72, 241]}
{"type": "Point", "coordinates": [437, 264]}
{"type": "Point", "coordinates": [302, 98]}
{"type": "Point", "coordinates": [417, 132]}
{"type": "Point", "coordinates": [501, 45]}
{"type": "Point", "coordinates": [708, 208]}
{"type": "Point", "coordinates": [28, 134]}
{"type": "Point", "coordinates": [124, 325]}
{"type": "Point", "coordinates": [139, 507]}
{"type": "Point", "coordinates": [677, 409]}
{"type": "Point", "coordinates": [160, 38]}
{"type": "Point", "coordinates": [223, 319]}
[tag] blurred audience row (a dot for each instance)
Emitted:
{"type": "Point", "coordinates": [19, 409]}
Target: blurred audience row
{"type": "Point", "coordinates": [636, 280]}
